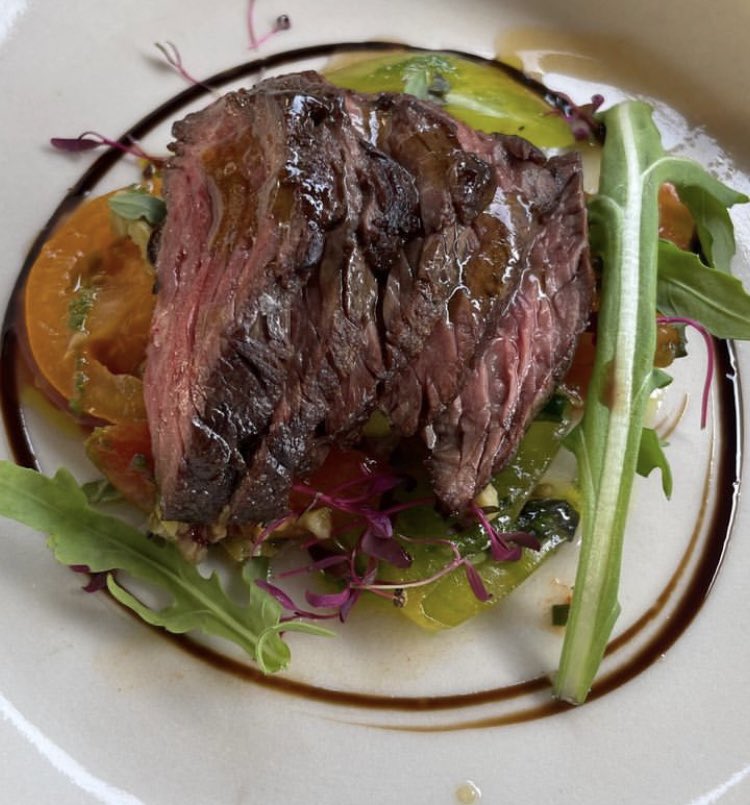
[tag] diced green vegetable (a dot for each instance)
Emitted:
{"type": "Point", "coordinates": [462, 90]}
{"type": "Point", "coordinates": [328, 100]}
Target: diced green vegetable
{"type": "Point", "coordinates": [560, 613]}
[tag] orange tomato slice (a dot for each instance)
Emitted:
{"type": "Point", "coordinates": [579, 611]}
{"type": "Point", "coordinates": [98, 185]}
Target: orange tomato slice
{"type": "Point", "coordinates": [88, 304]}
{"type": "Point", "coordinates": [122, 453]}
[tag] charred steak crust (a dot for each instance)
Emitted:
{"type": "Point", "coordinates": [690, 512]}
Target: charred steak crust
{"type": "Point", "coordinates": [327, 253]}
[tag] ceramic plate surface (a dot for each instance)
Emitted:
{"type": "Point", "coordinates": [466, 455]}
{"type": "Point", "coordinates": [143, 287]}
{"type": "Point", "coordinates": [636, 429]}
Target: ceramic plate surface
{"type": "Point", "coordinates": [98, 707]}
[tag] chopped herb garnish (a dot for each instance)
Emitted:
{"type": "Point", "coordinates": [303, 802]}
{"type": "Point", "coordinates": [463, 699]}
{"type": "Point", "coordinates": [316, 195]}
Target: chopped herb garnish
{"type": "Point", "coordinates": [427, 78]}
{"type": "Point", "coordinates": [282, 23]}
{"type": "Point", "coordinates": [79, 308]}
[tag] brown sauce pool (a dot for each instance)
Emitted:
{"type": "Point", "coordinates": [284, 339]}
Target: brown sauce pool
{"type": "Point", "coordinates": [716, 517]}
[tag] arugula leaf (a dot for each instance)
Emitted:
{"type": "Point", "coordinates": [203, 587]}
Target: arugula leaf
{"type": "Point", "coordinates": [607, 443]}
{"type": "Point", "coordinates": [688, 288]}
{"type": "Point", "coordinates": [136, 203]}
{"type": "Point", "coordinates": [651, 457]}
{"type": "Point", "coordinates": [80, 535]}
{"type": "Point", "coordinates": [712, 221]}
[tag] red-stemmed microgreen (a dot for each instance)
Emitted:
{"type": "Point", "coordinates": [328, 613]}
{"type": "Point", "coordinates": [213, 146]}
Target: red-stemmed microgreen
{"type": "Point", "coordinates": [288, 603]}
{"type": "Point", "coordinates": [89, 140]}
{"type": "Point", "coordinates": [500, 548]}
{"type": "Point", "coordinates": [173, 58]}
{"type": "Point", "coordinates": [282, 23]}
{"type": "Point", "coordinates": [710, 362]}
{"type": "Point", "coordinates": [472, 575]}
{"type": "Point", "coordinates": [581, 119]}
{"type": "Point", "coordinates": [377, 543]}
{"type": "Point", "coordinates": [325, 563]}
{"type": "Point", "coordinates": [355, 497]}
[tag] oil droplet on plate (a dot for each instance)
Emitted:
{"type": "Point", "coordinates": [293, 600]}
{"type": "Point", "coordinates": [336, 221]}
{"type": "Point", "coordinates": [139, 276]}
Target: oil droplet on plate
{"type": "Point", "coordinates": [468, 793]}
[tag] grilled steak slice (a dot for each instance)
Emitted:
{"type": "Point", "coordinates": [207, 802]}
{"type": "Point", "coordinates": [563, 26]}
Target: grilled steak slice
{"type": "Point", "coordinates": [325, 253]}
{"type": "Point", "coordinates": [510, 331]}
{"type": "Point", "coordinates": [263, 195]}
{"type": "Point", "coordinates": [530, 342]}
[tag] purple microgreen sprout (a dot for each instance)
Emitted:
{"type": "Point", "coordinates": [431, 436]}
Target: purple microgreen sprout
{"type": "Point", "coordinates": [472, 575]}
{"type": "Point", "coordinates": [377, 538]}
{"type": "Point", "coordinates": [381, 545]}
{"type": "Point", "coordinates": [710, 362]}
{"type": "Point", "coordinates": [287, 602]}
{"type": "Point", "coordinates": [282, 23]}
{"type": "Point", "coordinates": [329, 600]}
{"type": "Point", "coordinates": [377, 543]}
{"type": "Point", "coordinates": [89, 140]}
{"type": "Point", "coordinates": [500, 549]}
{"type": "Point", "coordinates": [581, 119]}
{"type": "Point", "coordinates": [475, 582]}
{"type": "Point", "coordinates": [174, 59]}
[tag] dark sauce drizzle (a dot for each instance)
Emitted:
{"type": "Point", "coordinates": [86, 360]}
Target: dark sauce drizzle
{"type": "Point", "coordinates": [721, 514]}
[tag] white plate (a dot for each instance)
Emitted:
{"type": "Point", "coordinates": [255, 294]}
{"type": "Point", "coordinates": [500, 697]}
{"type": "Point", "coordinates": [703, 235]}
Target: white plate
{"type": "Point", "coordinates": [97, 707]}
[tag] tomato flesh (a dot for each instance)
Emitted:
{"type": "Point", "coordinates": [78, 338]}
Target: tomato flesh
{"type": "Point", "coordinates": [88, 304]}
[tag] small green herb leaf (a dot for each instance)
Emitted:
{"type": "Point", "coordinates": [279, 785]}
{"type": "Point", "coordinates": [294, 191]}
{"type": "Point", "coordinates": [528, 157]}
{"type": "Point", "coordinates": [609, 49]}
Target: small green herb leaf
{"type": "Point", "coordinates": [651, 456]}
{"type": "Point", "coordinates": [659, 379]}
{"type": "Point", "coordinates": [135, 203]}
{"type": "Point", "coordinates": [80, 535]}
{"type": "Point", "coordinates": [688, 288]}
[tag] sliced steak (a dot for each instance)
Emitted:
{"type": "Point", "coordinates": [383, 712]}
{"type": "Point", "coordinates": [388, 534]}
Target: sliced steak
{"type": "Point", "coordinates": [526, 350]}
{"type": "Point", "coordinates": [261, 193]}
{"type": "Point", "coordinates": [510, 331]}
{"type": "Point", "coordinates": [265, 347]}
{"type": "Point", "coordinates": [325, 253]}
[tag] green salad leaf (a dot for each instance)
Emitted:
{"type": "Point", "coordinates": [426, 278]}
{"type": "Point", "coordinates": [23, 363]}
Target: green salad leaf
{"type": "Point", "coordinates": [81, 535]}
{"type": "Point", "coordinates": [687, 287]}
{"type": "Point", "coordinates": [651, 457]}
{"type": "Point", "coordinates": [712, 221]}
{"type": "Point", "coordinates": [608, 442]}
